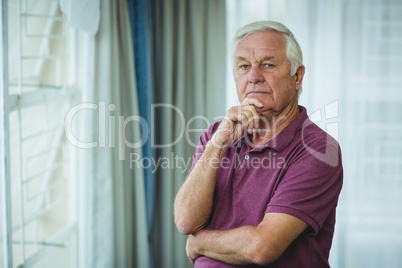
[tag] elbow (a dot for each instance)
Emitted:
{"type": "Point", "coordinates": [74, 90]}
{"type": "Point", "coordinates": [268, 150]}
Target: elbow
{"type": "Point", "coordinates": [183, 227]}
{"type": "Point", "coordinates": [186, 221]}
{"type": "Point", "coordinates": [263, 253]}
{"type": "Point", "coordinates": [186, 227]}
{"type": "Point", "coordinates": [181, 221]}
{"type": "Point", "coordinates": [263, 259]}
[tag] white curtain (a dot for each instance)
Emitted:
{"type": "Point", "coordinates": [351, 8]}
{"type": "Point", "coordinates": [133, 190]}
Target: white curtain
{"type": "Point", "coordinates": [82, 14]}
{"type": "Point", "coordinates": [111, 202]}
{"type": "Point", "coordinates": [352, 88]}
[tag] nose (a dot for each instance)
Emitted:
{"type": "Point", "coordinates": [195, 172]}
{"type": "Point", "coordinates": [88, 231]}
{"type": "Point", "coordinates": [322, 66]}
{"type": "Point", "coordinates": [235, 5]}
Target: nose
{"type": "Point", "coordinates": [255, 76]}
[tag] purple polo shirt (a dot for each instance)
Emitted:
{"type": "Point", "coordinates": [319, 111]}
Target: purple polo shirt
{"type": "Point", "coordinates": [299, 172]}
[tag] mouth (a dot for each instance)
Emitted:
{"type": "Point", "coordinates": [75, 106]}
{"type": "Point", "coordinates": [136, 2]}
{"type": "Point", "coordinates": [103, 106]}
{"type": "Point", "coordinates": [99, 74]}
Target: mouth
{"type": "Point", "coordinates": [257, 93]}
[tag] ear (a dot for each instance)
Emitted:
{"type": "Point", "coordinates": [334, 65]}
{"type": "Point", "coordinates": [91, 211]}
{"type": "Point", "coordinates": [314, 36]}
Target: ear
{"type": "Point", "coordinates": [299, 76]}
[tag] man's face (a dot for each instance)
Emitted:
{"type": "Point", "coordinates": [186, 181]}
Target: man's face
{"type": "Point", "coordinates": [262, 71]}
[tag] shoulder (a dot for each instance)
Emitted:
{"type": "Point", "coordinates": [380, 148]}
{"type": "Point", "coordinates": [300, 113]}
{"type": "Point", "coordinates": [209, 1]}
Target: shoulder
{"type": "Point", "coordinates": [305, 133]}
{"type": "Point", "coordinates": [311, 134]}
{"type": "Point", "coordinates": [319, 144]}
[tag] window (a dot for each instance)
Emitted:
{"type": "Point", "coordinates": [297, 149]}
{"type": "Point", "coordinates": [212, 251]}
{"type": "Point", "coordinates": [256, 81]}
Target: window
{"type": "Point", "coordinates": [38, 189]}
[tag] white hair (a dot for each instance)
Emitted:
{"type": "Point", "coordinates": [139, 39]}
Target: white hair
{"type": "Point", "coordinates": [293, 50]}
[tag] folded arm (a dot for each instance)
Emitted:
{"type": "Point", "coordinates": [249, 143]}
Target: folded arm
{"type": "Point", "coordinates": [262, 244]}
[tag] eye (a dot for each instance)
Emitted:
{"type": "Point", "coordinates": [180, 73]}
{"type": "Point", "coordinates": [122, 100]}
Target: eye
{"type": "Point", "coordinates": [267, 65]}
{"type": "Point", "coordinates": [243, 66]}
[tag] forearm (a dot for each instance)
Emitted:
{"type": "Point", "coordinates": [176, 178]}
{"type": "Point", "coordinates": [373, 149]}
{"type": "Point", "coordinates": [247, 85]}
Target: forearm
{"type": "Point", "coordinates": [194, 201]}
{"type": "Point", "coordinates": [239, 246]}
{"type": "Point", "coordinates": [260, 245]}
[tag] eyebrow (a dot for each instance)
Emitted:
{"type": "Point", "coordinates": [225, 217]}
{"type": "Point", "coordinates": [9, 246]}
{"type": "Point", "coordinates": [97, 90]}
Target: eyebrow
{"type": "Point", "coordinates": [267, 58]}
{"type": "Point", "coordinates": [262, 59]}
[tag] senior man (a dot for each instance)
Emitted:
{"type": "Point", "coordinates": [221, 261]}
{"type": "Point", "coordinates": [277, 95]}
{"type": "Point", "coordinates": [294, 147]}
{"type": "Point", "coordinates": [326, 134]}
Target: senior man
{"type": "Point", "coordinates": [265, 181]}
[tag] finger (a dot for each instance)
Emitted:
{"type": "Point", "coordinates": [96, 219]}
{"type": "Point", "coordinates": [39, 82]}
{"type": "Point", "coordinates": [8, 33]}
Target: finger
{"type": "Point", "coordinates": [240, 116]}
{"type": "Point", "coordinates": [245, 119]}
{"type": "Point", "coordinates": [238, 132]}
{"type": "Point", "coordinates": [250, 125]}
{"type": "Point", "coordinates": [250, 119]}
{"type": "Point", "coordinates": [245, 115]}
{"type": "Point", "coordinates": [254, 117]}
{"type": "Point", "coordinates": [250, 122]}
{"type": "Point", "coordinates": [252, 101]}
{"type": "Point", "coordinates": [236, 113]}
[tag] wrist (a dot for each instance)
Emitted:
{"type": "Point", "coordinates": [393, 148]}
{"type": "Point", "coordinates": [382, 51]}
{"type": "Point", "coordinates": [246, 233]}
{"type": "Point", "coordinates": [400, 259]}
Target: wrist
{"type": "Point", "coordinates": [197, 240]}
{"type": "Point", "coordinates": [221, 140]}
{"type": "Point", "coordinates": [216, 149]}
{"type": "Point", "coordinates": [192, 248]}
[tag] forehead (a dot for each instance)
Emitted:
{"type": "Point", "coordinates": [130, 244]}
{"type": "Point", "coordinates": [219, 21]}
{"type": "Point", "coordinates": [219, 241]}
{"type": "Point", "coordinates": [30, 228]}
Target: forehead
{"type": "Point", "coordinates": [261, 44]}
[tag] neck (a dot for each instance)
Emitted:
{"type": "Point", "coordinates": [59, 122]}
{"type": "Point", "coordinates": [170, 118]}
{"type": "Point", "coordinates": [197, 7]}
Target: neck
{"type": "Point", "coordinates": [272, 124]}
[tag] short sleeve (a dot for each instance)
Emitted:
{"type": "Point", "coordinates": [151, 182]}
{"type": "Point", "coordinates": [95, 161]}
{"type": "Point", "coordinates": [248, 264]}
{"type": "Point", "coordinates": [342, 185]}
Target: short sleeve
{"type": "Point", "coordinates": [311, 184]}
